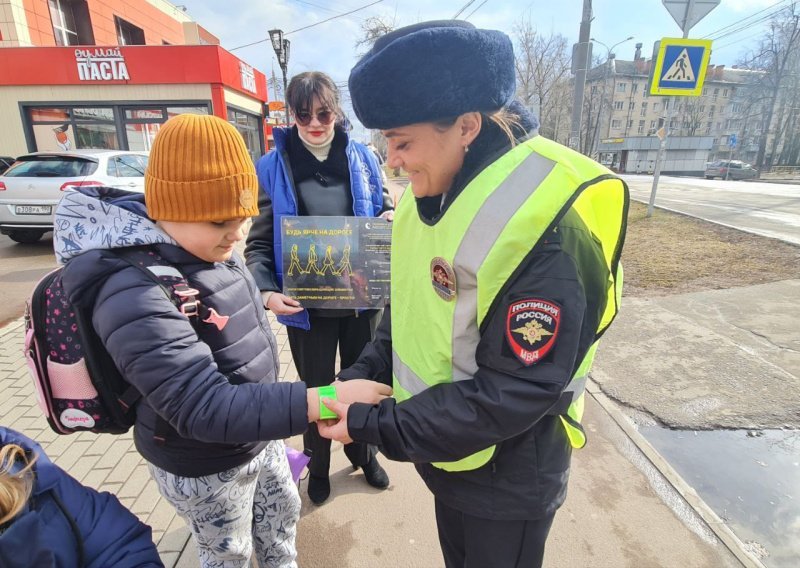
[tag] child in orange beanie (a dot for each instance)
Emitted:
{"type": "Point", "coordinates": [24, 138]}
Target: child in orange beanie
{"type": "Point", "coordinates": [212, 412]}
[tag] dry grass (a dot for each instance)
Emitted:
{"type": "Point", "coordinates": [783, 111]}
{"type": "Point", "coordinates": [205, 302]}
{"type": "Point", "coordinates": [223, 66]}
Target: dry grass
{"type": "Point", "coordinates": [672, 253]}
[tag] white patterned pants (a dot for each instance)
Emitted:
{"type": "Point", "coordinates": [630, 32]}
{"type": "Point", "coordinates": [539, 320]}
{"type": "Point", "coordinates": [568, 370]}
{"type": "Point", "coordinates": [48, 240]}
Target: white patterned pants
{"type": "Point", "coordinates": [254, 507]}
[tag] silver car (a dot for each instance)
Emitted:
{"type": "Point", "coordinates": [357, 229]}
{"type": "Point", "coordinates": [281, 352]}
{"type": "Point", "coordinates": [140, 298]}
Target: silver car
{"type": "Point", "coordinates": [32, 187]}
{"type": "Point", "coordinates": [730, 169]}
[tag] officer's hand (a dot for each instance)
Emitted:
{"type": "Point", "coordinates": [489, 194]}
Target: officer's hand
{"type": "Point", "coordinates": [333, 429]}
{"type": "Point", "coordinates": [388, 215]}
{"type": "Point", "coordinates": [361, 390]}
{"type": "Point", "coordinates": [281, 304]}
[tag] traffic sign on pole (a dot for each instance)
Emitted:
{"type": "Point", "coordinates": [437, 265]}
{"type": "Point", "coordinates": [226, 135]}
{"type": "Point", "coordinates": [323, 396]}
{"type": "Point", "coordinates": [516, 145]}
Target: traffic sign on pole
{"type": "Point", "coordinates": [680, 68]}
{"type": "Point", "coordinates": [732, 140]}
{"type": "Point", "coordinates": [687, 13]}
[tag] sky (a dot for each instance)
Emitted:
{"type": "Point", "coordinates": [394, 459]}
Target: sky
{"type": "Point", "coordinates": [331, 46]}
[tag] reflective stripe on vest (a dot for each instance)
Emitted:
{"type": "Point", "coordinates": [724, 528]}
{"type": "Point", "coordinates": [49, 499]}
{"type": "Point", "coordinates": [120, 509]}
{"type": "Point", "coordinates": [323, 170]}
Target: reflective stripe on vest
{"type": "Point", "coordinates": [485, 235]}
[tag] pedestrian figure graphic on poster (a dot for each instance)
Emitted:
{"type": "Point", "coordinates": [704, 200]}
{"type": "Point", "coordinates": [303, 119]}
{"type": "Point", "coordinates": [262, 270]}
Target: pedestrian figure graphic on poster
{"type": "Point", "coordinates": [681, 64]}
{"type": "Point", "coordinates": [327, 262]}
{"type": "Point", "coordinates": [295, 262]}
{"type": "Point", "coordinates": [312, 260]}
{"type": "Point", "coordinates": [344, 263]}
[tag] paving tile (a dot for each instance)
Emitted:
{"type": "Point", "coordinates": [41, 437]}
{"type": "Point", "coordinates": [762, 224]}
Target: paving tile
{"type": "Point", "coordinates": [160, 518]}
{"type": "Point", "coordinates": [175, 537]}
{"type": "Point", "coordinates": [83, 467]}
{"type": "Point", "coordinates": [136, 482]}
{"type": "Point", "coordinates": [124, 468]}
{"type": "Point", "coordinates": [102, 443]}
{"type": "Point", "coordinates": [147, 500]}
{"type": "Point", "coordinates": [188, 557]}
{"type": "Point", "coordinates": [95, 478]}
{"type": "Point", "coordinates": [112, 456]}
{"type": "Point", "coordinates": [170, 559]}
{"type": "Point", "coordinates": [74, 453]}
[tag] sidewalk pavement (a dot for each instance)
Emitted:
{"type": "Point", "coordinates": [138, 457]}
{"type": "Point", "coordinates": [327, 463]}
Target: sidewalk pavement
{"type": "Point", "coordinates": [625, 505]}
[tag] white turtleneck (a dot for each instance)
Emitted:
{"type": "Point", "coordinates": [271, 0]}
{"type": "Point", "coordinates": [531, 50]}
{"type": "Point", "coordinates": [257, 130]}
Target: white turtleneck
{"type": "Point", "coordinates": [320, 151]}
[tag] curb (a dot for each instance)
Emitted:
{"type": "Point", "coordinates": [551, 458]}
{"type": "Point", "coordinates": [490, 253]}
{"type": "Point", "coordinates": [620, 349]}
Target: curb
{"type": "Point", "coordinates": [715, 524]}
{"type": "Point", "coordinates": [646, 202]}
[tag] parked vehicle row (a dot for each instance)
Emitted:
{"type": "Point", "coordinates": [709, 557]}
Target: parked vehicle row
{"type": "Point", "coordinates": [32, 187]}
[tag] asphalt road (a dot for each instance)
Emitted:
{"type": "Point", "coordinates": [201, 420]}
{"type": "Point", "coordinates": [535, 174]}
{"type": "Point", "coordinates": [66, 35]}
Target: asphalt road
{"type": "Point", "coordinates": [767, 209]}
{"type": "Point", "coordinates": [21, 266]}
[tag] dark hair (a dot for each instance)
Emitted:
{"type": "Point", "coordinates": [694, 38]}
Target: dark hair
{"type": "Point", "coordinates": [304, 87]}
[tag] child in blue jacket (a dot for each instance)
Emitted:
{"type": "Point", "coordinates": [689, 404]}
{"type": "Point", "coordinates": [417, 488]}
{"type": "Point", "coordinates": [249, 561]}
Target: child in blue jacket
{"type": "Point", "coordinates": [213, 413]}
{"type": "Point", "coordinates": [48, 519]}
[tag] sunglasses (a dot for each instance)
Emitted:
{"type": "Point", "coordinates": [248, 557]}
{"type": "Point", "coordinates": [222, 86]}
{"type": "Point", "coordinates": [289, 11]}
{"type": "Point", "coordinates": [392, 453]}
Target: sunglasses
{"type": "Point", "coordinates": [323, 116]}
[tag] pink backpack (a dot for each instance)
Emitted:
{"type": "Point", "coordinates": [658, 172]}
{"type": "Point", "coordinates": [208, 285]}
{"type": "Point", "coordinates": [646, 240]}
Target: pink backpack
{"type": "Point", "coordinates": [78, 386]}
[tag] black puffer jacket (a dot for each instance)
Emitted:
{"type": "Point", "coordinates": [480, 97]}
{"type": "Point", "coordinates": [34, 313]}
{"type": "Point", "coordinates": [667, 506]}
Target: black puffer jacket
{"type": "Point", "coordinates": [217, 389]}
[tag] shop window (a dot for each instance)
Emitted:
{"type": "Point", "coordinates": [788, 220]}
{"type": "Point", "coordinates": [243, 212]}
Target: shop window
{"type": "Point", "coordinates": [101, 136]}
{"type": "Point", "coordinates": [247, 125]}
{"type": "Point", "coordinates": [127, 33]}
{"type": "Point", "coordinates": [172, 111]}
{"type": "Point", "coordinates": [141, 136]}
{"type": "Point", "coordinates": [144, 114]}
{"type": "Point", "coordinates": [71, 22]}
{"type": "Point", "coordinates": [56, 129]}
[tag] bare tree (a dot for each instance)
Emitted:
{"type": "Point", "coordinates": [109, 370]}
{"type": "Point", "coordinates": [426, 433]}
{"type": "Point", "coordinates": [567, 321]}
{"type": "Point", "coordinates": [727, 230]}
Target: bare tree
{"type": "Point", "coordinates": [373, 28]}
{"type": "Point", "coordinates": [694, 115]}
{"type": "Point", "coordinates": [543, 68]}
{"type": "Point", "coordinates": [776, 56]}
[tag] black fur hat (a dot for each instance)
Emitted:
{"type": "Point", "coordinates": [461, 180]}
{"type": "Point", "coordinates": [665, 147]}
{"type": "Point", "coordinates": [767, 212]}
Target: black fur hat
{"type": "Point", "coordinates": [431, 71]}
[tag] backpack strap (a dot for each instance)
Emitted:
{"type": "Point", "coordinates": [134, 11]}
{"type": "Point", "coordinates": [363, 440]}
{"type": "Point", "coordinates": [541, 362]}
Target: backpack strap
{"type": "Point", "coordinates": [175, 286]}
{"type": "Point", "coordinates": [166, 275]}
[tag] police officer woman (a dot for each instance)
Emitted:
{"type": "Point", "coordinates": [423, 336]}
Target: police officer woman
{"type": "Point", "coordinates": [505, 273]}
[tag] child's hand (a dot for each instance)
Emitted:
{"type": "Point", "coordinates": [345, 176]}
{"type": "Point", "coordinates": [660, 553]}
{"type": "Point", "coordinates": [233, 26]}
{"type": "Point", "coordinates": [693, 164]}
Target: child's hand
{"type": "Point", "coordinates": [283, 305]}
{"type": "Point", "coordinates": [361, 390]}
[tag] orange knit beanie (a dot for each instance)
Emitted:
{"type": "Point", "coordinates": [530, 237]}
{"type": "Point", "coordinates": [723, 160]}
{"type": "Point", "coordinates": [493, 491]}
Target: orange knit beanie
{"type": "Point", "coordinates": [199, 170]}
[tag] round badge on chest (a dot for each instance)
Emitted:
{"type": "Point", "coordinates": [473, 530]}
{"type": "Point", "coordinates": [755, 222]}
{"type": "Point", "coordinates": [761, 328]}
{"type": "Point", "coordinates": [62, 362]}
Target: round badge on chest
{"type": "Point", "coordinates": [443, 278]}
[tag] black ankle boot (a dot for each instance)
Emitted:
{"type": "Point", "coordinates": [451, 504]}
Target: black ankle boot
{"type": "Point", "coordinates": [375, 474]}
{"type": "Point", "coordinates": [319, 489]}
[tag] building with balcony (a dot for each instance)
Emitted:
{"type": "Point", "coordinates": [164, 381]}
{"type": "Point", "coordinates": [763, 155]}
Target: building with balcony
{"type": "Point", "coordinates": [107, 73]}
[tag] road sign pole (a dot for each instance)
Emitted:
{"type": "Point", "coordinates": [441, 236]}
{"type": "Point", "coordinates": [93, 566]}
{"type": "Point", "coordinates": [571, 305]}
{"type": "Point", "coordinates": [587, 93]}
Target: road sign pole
{"type": "Point", "coordinates": [730, 157]}
{"type": "Point", "coordinates": [686, 13]}
{"type": "Point", "coordinates": [662, 147]}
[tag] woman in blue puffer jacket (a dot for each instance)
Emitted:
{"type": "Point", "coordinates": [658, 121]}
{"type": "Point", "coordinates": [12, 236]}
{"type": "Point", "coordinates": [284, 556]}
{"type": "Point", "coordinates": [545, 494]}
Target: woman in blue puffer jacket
{"type": "Point", "coordinates": [316, 169]}
{"type": "Point", "coordinates": [48, 519]}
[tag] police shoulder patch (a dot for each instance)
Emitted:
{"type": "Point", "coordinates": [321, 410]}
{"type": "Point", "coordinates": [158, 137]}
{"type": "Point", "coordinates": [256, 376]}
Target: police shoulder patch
{"type": "Point", "coordinates": [532, 326]}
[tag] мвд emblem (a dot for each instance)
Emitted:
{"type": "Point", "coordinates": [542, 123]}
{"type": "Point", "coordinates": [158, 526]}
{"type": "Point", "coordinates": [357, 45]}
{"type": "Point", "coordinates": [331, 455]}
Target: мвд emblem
{"type": "Point", "coordinates": [443, 278]}
{"type": "Point", "coordinates": [531, 328]}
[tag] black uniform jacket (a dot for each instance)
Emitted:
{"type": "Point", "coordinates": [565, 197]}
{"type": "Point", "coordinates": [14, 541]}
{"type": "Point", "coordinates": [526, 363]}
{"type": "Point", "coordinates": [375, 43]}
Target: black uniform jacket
{"type": "Point", "coordinates": [506, 402]}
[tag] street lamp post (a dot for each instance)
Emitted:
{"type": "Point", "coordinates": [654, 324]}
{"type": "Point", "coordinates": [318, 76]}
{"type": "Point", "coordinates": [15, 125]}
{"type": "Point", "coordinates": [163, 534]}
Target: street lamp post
{"type": "Point", "coordinates": [609, 56]}
{"type": "Point", "coordinates": [281, 47]}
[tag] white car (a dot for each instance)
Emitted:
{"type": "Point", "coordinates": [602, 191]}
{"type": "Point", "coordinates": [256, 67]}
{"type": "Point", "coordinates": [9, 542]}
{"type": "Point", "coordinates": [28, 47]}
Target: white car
{"type": "Point", "coordinates": [32, 187]}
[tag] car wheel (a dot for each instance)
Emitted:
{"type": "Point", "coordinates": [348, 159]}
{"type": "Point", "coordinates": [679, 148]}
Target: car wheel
{"type": "Point", "coordinates": [26, 236]}
{"type": "Point", "coordinates": [709, 177]}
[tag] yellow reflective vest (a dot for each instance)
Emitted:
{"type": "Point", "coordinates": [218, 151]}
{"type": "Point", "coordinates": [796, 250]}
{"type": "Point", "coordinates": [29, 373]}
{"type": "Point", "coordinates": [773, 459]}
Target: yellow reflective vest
{"type": "Point", "coordinates": [452, 271]}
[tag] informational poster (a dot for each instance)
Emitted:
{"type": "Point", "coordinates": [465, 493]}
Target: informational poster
{"type": "Point", "coordinates": [337, 262]}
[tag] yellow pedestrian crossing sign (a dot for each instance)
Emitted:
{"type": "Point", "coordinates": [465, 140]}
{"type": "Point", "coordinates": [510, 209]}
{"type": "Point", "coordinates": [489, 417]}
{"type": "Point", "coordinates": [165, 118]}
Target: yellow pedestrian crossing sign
{"type": "Point", "coordinates": [680, 67]}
